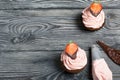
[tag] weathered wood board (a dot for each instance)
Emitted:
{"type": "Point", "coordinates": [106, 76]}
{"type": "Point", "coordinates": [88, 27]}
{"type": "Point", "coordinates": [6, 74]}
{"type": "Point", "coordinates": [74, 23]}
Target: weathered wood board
{"type": "Point", "coordinates": [33, 33]}
{"type": "Point", "coordinates": [53, 4]}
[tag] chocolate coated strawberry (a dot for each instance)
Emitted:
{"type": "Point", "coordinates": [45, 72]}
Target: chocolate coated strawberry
{"type": "Point", "coordinates": [95, 8]}
{"type": "Point", "coordinates": [71, 49]}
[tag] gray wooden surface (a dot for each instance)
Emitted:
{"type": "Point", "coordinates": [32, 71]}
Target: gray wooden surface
{"type": "Point", "coordinates": [33, 33]}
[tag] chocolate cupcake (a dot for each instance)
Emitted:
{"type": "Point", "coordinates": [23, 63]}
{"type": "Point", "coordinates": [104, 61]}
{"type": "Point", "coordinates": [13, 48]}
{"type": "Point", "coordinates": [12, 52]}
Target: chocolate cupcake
{"type": "Point", "coordinates": [93, 17]}
{"type": "Point", "coordinates": [73, 58]}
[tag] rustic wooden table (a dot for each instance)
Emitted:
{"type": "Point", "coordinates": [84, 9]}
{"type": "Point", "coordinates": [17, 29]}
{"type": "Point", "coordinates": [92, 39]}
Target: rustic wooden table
{"type": "Point", "coordinates": [33, 33]}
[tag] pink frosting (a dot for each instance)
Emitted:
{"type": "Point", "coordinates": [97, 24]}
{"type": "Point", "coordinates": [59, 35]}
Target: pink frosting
{"type": "Point", "coordinates": [91, 21]}
{"type": "Point", "coordinates": [100, 70]}
{"type": "Point", "coordinates": [72, 64]}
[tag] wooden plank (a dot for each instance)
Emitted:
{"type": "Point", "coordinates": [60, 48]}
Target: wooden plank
{"type": "Point", "coordinates": [52, 32]}
{"type": "Point", "coordinates": [31, 42]}
{"type": "Point", "coordinates": [43, 65]}
{"type": "Point", "coordinates": [53, 4]}
{"type": "Point", "coordinates": [34, 65]}
{"type": "Point", "coordinates": [27, 63]}
{"type": "Point", "coordinates": [33, 33]}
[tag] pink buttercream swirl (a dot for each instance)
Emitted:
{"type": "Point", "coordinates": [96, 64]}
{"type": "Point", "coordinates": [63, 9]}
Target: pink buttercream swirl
{"type": "Point", "coordinates": [72, 64]}
{"type": "Point", "coordinates": [91, 21]}
{"type": "Point", "coordinates": [100, 70]}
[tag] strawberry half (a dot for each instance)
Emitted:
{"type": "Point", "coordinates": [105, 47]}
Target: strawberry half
{"type": "Point", "coordinates": [71, 49]}
{"type": "Point", "coordinates": [95, 8]}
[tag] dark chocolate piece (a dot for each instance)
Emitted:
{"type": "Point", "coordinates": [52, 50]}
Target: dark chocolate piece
{"type": "Point", "coordinates": [112, 53]}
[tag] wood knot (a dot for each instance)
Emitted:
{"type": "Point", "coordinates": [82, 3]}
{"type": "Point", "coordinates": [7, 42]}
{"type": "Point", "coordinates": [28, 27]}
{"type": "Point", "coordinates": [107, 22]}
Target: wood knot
{"type": "Point", "coordinates": [22, 38]}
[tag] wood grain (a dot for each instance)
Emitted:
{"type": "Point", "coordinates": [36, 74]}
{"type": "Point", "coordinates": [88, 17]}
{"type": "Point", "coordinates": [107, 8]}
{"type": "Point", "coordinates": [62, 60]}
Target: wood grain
{"type": "Point", "coordinates": [26, 32]}
{"type": "Point", "coordinates": [33, 33]}
{"type": "Point", "coordinates": [53, 4]}
{"type": "Point", "coordinates": [42, 64]}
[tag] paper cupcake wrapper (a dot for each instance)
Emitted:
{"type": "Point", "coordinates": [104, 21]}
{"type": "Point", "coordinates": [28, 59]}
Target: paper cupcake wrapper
{"type": "Point", "coordinates": [96, 53]}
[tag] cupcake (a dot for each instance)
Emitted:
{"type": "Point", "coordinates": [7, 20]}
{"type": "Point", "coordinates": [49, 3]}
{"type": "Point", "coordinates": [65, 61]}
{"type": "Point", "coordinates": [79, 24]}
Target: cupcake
{"type": "Point", "coordinates": [73, 58]}
{"type": "Point", "coordinates": [93, 17]}
{"type": "Point", "coordinates": [114, 54]}
{"type": "Point", "coordinates": [100, 69]}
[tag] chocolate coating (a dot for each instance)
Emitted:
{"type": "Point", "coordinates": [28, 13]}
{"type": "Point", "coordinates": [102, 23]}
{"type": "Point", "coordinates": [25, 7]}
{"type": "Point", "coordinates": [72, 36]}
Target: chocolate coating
{"type": "Point", "coordinates": [112, 53]}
